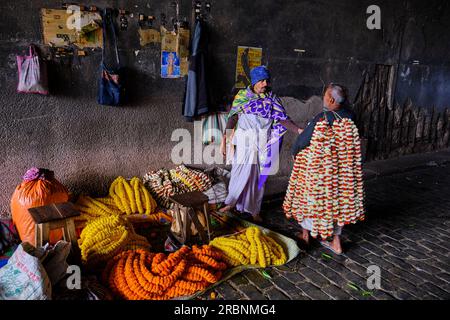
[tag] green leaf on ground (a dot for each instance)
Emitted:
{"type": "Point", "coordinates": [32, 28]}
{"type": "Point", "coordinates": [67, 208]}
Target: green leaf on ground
{"type": "Point", "coordinates": [353, 286]}
{"type": "Point", "coordinates": [326, 256]}
{"type": "Point", "coordinates": [214, 222]}
{"type": "Point", "coordinates": [265, 274]}
{"type": "Point", "coordinates": [367, 293]}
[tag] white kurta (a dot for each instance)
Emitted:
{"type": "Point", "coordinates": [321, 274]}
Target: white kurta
{"type": "Point", "coordinates": [250, 140]}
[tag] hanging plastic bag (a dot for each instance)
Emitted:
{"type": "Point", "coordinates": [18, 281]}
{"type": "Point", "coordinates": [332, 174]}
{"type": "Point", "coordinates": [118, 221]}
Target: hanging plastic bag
{"type": "Point", "coordinates": [32, 73]}
{"type": "Point", "coordinates": [39, 188]}
{"type": "Point", "coordinates": [110, 90]}
{"type": "Point", "coordinates": [213, 126]}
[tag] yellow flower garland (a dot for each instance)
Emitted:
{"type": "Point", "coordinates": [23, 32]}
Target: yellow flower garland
{"type": "Point", "coordinates": [250, 246]}
{"type": "Point", "coordinates": [131, 197]}
{"type": "Point", "coordinates": [107, 236]}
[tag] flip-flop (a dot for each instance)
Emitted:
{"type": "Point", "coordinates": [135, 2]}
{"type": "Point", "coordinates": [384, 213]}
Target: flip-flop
{"type": "Point", "coordinates": [325, 245]}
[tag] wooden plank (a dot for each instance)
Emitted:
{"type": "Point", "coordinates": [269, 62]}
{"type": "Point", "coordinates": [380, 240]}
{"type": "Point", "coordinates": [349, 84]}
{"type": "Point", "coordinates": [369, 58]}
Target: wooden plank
{"type": "Point", "coordinates": [190, 199]}
{"type": "Point", "coordinates": [420, 125]}
{"type": "Point", "coordinates": [446, 138]}
{"type": "Point", "coordinates": [53, 212]}
{"type": "Point", "coordinates": [396, 128]}
{"type": "Point", "coordinates": [413, 127]}
{"type": "Point", "coordinates": [434, 129]}
{"type": "Point", "coordinates": [45, 234]}
{"type": "Point", "coordinates": [389, 133]}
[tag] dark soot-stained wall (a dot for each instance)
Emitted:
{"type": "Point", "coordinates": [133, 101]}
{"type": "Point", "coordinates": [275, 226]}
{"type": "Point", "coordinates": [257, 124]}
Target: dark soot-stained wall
{"type": "Point", "coordinates": [88, 145]}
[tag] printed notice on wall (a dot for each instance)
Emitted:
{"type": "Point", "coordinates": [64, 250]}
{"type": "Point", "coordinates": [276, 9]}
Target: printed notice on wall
{"type": "Point", "coordinates": [174, 53]}
{"type": "Point", "coordinates": [64, 27]}
{"type": "Point", "coordinates": [170, 61]}
{"type": "Point", "coordinates": [247, 59]}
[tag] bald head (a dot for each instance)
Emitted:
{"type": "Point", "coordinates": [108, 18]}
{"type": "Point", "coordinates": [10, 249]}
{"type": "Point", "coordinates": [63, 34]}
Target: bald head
{"type": "Point", "coordinates": [334, 97]}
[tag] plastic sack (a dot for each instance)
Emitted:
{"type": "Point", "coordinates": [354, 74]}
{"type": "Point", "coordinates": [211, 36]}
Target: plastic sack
{"type": "Point", "coordinates": [24, 277]}
{"type": "Point", "coordinates": [32, 73]}
{"type": "Point", "coordinates": [39, 188]}
{"type": "Point", "coordinates": [55, 262]}
{"type": "Point", "coordinates": [213, 126]}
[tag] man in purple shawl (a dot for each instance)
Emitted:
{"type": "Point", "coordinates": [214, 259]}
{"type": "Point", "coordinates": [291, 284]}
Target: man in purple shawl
{"type": "Point", "coordinates": [256, 125]}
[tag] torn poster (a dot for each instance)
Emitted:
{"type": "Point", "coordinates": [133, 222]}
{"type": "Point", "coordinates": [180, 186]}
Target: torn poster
{"type": "Point", "coordinates": [247, 59]}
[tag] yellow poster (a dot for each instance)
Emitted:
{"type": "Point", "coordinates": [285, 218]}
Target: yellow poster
{"type": "Point", "coordinates": [147, 36]}
{"type": "Point", "coordinates": [247, 59]}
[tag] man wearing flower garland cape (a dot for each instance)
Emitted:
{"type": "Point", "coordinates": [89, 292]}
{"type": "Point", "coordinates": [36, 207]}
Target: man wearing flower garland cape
{"type": "Point", "coordinates": [325, 190]}
{"type": "Point", "coordinates": [259, 122]}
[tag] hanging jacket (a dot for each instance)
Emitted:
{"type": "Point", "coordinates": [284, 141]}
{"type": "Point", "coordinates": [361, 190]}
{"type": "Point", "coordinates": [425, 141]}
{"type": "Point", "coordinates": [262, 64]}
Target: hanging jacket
{"type": "Point", "coordinates": [197, 100]}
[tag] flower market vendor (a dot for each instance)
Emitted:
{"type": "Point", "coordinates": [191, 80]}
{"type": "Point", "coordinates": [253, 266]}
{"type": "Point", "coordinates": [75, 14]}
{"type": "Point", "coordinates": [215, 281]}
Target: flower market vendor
{"type": "Point", "coordinates": [260, 121]}
{"type": "Point", "coordinates": [326, 190]}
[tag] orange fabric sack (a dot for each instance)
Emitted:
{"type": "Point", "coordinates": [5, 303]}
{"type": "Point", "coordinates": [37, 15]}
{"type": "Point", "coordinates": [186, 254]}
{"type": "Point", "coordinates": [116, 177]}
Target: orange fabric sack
{"type": "Point", "coordinates": [39, 188]}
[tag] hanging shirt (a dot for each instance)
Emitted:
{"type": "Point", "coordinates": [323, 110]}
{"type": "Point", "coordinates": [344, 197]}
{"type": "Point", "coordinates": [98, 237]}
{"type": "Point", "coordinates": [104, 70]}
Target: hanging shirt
{"type": "Point", "coordinates": [197, 99]}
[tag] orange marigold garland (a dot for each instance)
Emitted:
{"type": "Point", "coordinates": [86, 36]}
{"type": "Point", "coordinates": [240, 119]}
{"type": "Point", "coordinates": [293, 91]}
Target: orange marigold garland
{"type": "Point", "coordinates": [142, 275]}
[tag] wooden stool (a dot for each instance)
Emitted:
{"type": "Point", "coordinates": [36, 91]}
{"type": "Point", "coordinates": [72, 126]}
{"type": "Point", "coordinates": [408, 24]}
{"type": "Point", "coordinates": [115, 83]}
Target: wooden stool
{"type": "Point", "coordinates": [54, 216]}
{"type": "Point", "coordinates": [185, 215]}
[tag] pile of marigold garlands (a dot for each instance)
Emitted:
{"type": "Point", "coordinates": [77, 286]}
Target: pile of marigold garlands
{"type": "Point", "coordinates": [165, 183]}
{"type": "Point", "coordinates": [250, 246]}
{"type": "Point", "coordinates": [142, 275]}
{"type": "Point", "coordinates": [326, 184]}
{"type": "Point", "coordinates": [125, 198]}
{"type": "Point", "coordinates": [105, 237]}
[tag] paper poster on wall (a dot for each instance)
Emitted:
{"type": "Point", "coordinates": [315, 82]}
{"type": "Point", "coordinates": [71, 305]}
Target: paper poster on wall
{"type": "Point", "coordinates": [247, 59]}
{"type": "Point", "coordinates": [64, 27]}
{"type": "Point", "coordinates": [183, 50]}
{"type": "Point", "coordinates": [147, 36]}
{"type": "Point", "coordinates": [170, 65]}
{"type": "Point", "coordinates": [174, 53]}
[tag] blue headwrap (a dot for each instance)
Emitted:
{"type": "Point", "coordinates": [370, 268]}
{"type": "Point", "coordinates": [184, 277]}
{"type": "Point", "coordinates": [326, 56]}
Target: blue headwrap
{"type": "Point", "coordinates": [258, 74]}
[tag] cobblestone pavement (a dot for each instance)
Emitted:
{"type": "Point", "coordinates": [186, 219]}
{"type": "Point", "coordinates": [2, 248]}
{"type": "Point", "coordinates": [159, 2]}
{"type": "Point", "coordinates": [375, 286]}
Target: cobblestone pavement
{"type": "Point", "coordinates": [406, 234]}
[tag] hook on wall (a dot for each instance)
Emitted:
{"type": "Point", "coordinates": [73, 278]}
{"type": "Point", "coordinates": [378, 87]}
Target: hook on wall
{"type": "Point", "coordinates": [145, 21]}
{"type": "Point", "coordinates": [201, 10]}
{"type": "Point", "coordinates": [163, 20]}
{"type": "Point", "coordinates": [123, 19]}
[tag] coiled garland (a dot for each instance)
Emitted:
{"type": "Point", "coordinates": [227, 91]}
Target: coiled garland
{"type": "Point", "coordinates": [105, 237]}
{"type": "Point", "coordinates": [125, 198]}
{"type": "Point", "coordinates": [142, 275]}
{"type": "Point", "coordinates": [165, 183]}
{"type": "Point", "coordinates": [250, 247]}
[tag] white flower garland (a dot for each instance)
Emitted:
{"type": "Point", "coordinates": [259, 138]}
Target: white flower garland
{"type": "Point", "coordinates": [326, 183]}
{"type": "Point", "coordinates": [165, 183]}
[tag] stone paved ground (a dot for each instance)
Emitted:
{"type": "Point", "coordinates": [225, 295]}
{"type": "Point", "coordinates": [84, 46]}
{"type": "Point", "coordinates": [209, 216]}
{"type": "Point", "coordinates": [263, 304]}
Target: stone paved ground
{"type": "Point", "coordinates": [407, 234]}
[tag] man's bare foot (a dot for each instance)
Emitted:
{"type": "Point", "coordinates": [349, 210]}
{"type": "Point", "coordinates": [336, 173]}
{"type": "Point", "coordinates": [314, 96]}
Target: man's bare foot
{"type": "Point", "coordinates": [334, 245]}
{"type": "Point", "coordinates": [305, 236]}
{"type": "Point", "coordinates": [226, 209]}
